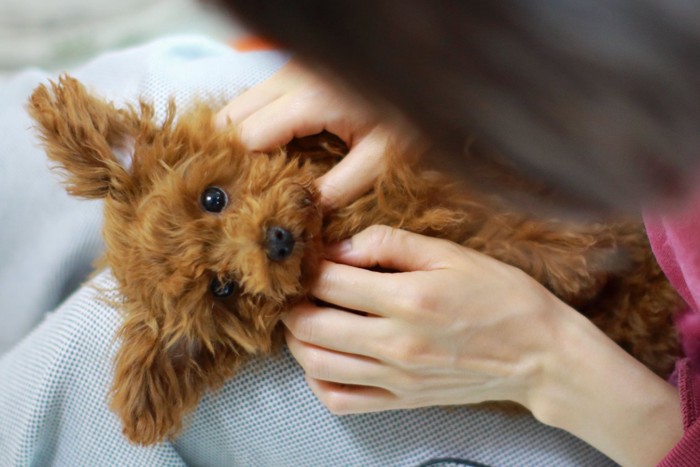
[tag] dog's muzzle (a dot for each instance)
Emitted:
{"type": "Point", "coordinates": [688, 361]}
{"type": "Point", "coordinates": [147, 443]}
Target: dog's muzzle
{"type": "Point", "coordinates": [279, 243]}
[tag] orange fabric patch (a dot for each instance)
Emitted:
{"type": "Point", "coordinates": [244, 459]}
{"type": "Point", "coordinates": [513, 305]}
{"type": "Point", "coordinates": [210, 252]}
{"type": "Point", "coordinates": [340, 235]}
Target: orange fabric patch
{"type": "Point", "coordinates": [252, 44]}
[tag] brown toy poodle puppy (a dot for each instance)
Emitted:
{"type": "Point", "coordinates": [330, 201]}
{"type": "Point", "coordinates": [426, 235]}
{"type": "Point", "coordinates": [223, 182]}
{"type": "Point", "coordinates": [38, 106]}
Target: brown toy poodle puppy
{"type": "Point", "coordinates": [209, 244]}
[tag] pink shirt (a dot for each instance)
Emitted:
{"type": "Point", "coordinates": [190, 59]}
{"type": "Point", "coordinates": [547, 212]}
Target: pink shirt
{"type": "Point", "coordinates": [675, 240]}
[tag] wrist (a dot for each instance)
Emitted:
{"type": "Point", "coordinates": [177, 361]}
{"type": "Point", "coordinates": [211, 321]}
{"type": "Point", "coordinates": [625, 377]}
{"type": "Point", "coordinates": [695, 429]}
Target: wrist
{"type": "Point", "coordinates": [593, 389]}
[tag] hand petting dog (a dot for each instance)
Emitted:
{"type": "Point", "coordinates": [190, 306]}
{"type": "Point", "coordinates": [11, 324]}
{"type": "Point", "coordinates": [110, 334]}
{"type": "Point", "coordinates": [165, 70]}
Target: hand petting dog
{"type": "Point", "coordinates": [294, 103]}
{"type": "Point", "coordinates": [454, 326]}
{"type": "Point", "coordinates": [437, 294]}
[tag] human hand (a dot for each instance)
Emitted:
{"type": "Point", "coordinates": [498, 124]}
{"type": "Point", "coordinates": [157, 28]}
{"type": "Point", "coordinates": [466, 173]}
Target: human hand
{"type": "Point", "coordinates": [454, 327]}
{"type": "Point", "coordinates": [295, 102]}
{"type": "Point", "coordinates": [457, 327]}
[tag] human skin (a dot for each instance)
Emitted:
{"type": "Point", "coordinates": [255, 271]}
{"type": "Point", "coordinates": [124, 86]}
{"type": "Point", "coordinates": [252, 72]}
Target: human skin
{"type": "Point", "coordinates": [458, 327]}
{"type": "Point", "coordinates": [295, 102]}
{"type": "Point", "coordinates": [452, 326]}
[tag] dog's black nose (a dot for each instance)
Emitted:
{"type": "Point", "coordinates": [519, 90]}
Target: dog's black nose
{"type": "Point", "coordinates": [279, 243]}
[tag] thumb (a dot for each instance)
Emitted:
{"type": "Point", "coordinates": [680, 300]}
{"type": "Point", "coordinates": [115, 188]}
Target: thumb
{"type": "Point", "coordinates": [395, 249]}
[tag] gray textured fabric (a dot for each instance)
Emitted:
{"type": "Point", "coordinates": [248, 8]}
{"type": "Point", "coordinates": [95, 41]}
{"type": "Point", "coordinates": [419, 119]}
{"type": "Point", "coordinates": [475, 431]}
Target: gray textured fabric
{"type": "Point", "coordinates": [54, 382]}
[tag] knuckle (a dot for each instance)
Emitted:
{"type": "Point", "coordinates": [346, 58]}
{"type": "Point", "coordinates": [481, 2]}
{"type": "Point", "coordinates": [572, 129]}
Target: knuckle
{"type": "Point", "coordinates": [303, 329]}
{"type": "Point", "coordinates": [315, 365]}
{"type": "Point", "coordinates": [411, 384]}
{"type": "Point", "coordinates": [380, 235]}
{"type": "Point", "coordinates": [325, 283]}
{"type": "Point", "coordinates": [425, 301]}
{"type": "Point", "coordinates": [406, 352]}
{"type": "Point", "coordinates": [312, 102]}
{"type": "Point", "coordinates": [330, 186]}
{"type": "Point", "coordinates": [249, 135]}
{"type": "Point", "coordinates": [302, 109]}
{"type": "Point", "coordinates": [222, 119]}
{"type": "Point", "coordinates": [417, 302]}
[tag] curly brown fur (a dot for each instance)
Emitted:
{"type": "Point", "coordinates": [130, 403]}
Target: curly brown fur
{"type": "Point", "coordinates": [169, 255]}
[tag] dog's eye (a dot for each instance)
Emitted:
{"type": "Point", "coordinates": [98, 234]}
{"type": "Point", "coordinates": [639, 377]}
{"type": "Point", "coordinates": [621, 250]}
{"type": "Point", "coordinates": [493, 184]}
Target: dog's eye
{"type": "Point", "coordinates": [222, 289]}
{"type": "Point", "coordinates": [213, 199]}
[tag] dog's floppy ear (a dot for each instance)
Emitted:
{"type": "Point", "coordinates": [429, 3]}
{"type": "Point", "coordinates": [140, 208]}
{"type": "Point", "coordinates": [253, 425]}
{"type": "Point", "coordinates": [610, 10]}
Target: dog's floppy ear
{"type": "Point", "coordinates": [161, 374]}
{"type": "Point", "coordinates": [80, 133]}
{"type": "Point", "coordinates": [153, 386]}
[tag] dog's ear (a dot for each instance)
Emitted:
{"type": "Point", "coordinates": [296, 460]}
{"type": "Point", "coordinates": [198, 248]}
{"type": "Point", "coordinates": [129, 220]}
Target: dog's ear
{"type": "Point", "coordinates": [160, 377]}
{"type": "Point", "coordinates": [154, 386]}
{"type": "Point", "coordinates": [80, 133]}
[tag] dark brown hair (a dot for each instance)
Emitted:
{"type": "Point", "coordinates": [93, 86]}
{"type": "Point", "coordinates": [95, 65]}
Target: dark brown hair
{"type": "Point", "coordinates": [599, 99]}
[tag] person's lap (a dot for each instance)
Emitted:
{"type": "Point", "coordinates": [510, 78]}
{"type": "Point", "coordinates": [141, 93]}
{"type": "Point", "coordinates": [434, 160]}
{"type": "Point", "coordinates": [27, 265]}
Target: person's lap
{"type": "Point", "coordinates": [56, 402]}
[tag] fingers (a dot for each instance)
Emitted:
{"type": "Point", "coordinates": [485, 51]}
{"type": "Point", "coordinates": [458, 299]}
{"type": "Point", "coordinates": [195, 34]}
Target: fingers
{"type": "Point", "coordinates": [349, 284]}
{"type": "Point", "coordinates": [345, 383]}
{"type": "Point", "coordinates": [346, 380]}
{"type": "Point", "coordinates": [395, 249]}
{"type": "Point", "coordinates": [342, 399]}
{"type": "Point", "coordinates": [338, 367]}
{"type": "Point", "coordinates": [356, 173]}
{"type": "Point", "coordinates": [334, 329]}
{"type": "Point", "coordinates": [292, 116]}
{"type": "Point", "coordinates": [244, 105]}
{"type": "Point", "coordinates": [356, 288]}
{"type": "Point", "coordinates": [241, 107]}
{"type": "Point", "coordinates": [294, 103]}
{"type": "Point", "coordinates": [308, 113]}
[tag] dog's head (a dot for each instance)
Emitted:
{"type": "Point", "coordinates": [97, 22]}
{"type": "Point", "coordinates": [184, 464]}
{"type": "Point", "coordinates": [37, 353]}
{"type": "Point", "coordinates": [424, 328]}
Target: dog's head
{"type": "Point", "coordinates": [208, 242]}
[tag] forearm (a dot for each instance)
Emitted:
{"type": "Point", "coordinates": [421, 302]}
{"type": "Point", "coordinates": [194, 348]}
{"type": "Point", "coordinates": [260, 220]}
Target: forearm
{"type": "Point", "coordinates": [597, 392]}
